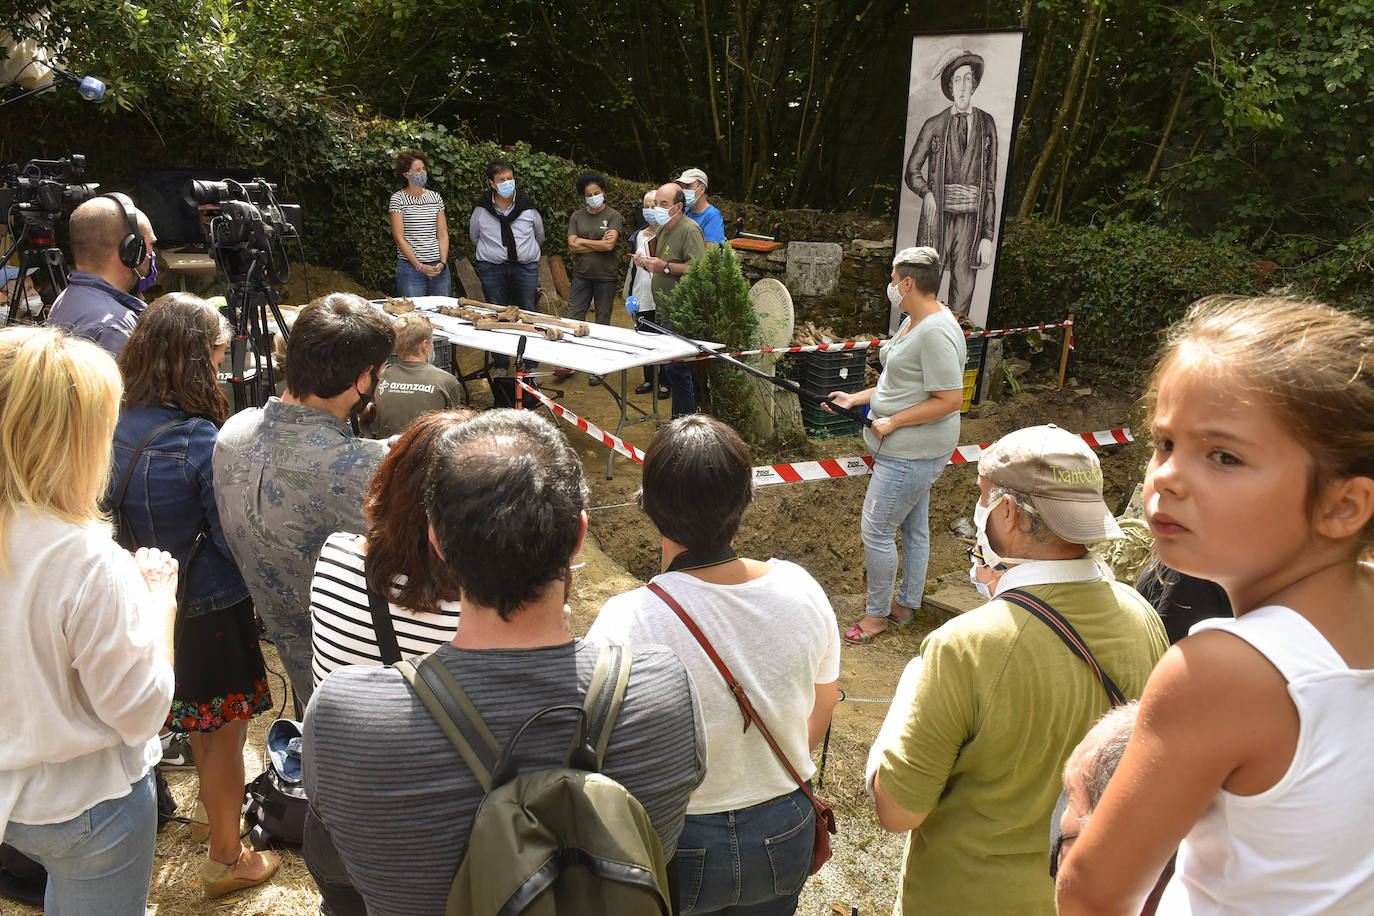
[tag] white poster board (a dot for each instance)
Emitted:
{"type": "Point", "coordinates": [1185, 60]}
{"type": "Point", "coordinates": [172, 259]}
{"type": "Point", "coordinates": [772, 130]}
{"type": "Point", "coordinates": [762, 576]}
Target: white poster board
{"type": "Point", "coordinates": [961, 113]}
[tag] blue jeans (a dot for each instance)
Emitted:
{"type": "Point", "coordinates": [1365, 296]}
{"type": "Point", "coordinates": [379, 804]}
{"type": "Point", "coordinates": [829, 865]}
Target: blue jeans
{"type": "Point", "coordinates": [410, 282]}
{"type": "Point", "coordinates": [510, 283]}
{"type": "Point", "coordinates": [748, 861]}
{"type": "Point", "coordinates": [898, 498]}
{"type": "Point", "coordinates": [99, 862]}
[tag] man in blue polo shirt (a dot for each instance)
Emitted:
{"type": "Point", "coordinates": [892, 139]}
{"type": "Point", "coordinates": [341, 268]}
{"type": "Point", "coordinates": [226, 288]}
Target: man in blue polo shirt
{"type": "Point", "coordinates": [700, 210]}
{"type": "Point", "coordinates": [98, 303]}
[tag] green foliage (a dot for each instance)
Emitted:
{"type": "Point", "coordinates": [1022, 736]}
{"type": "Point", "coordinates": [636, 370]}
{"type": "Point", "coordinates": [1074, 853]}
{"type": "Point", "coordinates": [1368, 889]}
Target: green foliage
{"type": "Point", "coordinates": [711, 302]}
{"type": "Point", "coordinates": [1124, 282]}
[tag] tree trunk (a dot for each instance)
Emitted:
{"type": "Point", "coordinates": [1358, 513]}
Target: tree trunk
{"type": "Point", "coordinates": [1072, 142]}
{"type": "Point", "coordinates": [1091, 20]}
{"type": "Point", "coordinates": [1042, 66]}
{"type": "Point", "coordinates": [1168, 130]}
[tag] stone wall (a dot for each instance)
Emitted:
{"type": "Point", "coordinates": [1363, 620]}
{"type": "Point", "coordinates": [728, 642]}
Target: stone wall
{"type": "Point", "coordinates": [836, 284]}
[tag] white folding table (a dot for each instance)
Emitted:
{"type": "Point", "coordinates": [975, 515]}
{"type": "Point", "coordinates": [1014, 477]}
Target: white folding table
{"type": "Point", "coordinates": [605, 351]}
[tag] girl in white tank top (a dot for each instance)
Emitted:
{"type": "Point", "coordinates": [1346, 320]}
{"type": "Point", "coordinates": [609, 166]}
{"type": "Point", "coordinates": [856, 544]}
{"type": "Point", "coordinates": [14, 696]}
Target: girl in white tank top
{"type": "Point", "coordinates": [1250, 755]}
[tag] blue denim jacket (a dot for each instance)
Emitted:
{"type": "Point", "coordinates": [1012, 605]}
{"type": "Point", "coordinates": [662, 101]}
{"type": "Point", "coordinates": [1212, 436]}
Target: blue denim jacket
{"type": "Point", "coordinates": [171, 496]}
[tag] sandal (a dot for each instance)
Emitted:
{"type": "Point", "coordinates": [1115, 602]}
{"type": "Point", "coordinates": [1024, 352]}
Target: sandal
{"type": "Point", "coordinates": [856, 636]}
{"type": "Point", "coordinates": [200, 823]}
{"type": "Point", "coordinates": [894, 621]}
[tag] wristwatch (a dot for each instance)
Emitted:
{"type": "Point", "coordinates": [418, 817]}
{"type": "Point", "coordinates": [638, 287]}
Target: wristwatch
{"type": "Point", "coordinates": [666, 270]}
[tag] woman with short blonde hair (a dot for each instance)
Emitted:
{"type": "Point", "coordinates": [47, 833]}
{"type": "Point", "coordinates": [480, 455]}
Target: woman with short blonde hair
{"type": "Point", "coordinates": [84, 631]}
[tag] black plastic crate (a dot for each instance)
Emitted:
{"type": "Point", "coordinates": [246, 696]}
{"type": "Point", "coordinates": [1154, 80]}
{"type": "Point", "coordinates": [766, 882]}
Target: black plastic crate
{"type": "Point", "coordinates": [443, 353]}
{"type": "Point", "coordinates": [976, 346]}
{"type": "Point", "coordinates": [822, 425]}
{"type": "Point", "coordinates": [835, 370]}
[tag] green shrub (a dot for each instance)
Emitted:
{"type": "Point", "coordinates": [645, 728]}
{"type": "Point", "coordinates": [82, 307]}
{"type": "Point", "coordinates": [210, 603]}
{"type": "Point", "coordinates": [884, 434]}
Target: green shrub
{"type": "Point", "coordinates": [711, 302]}
{"type": "Point", "coordinates": [1123, 282]}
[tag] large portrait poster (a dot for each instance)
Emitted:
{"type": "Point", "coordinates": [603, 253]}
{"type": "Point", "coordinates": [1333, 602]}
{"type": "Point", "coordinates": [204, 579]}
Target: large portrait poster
{"type": "Point", "coordinates": [961, 109]}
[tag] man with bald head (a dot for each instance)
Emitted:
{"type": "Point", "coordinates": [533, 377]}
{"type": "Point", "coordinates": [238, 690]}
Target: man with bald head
{"type": "Point", "coordinates": [99, 302]}
{"type": "Point", "coordinates": [953, 169]}
{"type": "Point", "coordinates": [676, 245]}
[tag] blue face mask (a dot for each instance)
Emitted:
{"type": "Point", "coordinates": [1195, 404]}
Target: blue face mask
{"type": "Point", "coordinates": [662, 215]}
{"type": "Point", "coordinates": [506, 188]}
{"type": "Point", "coordinates": [419, 179]}
{"type": "Point", "coordinates": [691, 196]}
{"type": "Point", "coordinates": [648, 215]}
{"type": "Point", "coordinates": [146, 283]}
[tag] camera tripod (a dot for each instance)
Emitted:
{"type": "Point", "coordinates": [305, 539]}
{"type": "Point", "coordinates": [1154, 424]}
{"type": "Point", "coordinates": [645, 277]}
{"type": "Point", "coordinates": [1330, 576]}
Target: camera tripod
{"type": "Point", "coordinates": [249, 300]}
{"type": "Point", "coordinates": [37, 248]}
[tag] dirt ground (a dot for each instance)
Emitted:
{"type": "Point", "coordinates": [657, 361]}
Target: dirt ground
{"type": "Point", "coordinates": [815, 524]}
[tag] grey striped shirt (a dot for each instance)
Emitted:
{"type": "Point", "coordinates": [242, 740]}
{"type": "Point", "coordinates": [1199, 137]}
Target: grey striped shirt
{"type": "Point", "coordinates": [397, 799]}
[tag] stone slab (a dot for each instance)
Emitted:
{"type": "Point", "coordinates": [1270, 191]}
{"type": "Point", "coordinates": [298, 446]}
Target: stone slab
{"type": "Point", "coordinates": [813, 268]}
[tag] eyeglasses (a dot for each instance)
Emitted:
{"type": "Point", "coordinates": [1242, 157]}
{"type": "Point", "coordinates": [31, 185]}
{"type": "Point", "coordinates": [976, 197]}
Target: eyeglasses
{"type": "Point", "coordinates": [1057, 846]}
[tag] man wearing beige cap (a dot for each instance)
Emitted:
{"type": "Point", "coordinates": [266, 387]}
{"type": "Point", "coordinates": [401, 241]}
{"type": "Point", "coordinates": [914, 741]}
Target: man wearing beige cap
{"type": "Point", "coordinates": [700, 210]}
{"type": "Point", "coordinates": [971, 755]}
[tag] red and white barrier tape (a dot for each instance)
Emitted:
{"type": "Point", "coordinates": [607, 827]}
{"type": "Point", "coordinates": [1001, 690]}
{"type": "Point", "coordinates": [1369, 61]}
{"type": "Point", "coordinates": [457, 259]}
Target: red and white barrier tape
{"type": "Point", "coordinates": [865, 344]}
{"type": "Point", "coordinates": [591, 429]}
{"type": "Point", "coordinates": [863, 465]}
{"type": "Point", "coordinates": [801, 471]}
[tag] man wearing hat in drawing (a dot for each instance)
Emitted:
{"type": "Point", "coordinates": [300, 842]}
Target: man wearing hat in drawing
{"type": "Point", "coordinates": [953, 169]}
{"type": "Point", "coordinates": [970, 757]}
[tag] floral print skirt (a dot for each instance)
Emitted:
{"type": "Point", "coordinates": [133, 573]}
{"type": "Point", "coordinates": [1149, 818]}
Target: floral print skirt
{"type": "Point", "coordinates": [220, 675]}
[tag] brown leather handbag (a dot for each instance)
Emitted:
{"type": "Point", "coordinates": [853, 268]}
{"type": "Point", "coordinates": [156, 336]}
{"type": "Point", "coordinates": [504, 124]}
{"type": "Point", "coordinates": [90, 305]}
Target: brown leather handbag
{"type": "Point", "coordinates": [825, 818]}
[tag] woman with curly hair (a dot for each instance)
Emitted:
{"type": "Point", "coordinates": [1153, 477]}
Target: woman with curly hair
{"type": "Point", "coordinates": [172, 411]}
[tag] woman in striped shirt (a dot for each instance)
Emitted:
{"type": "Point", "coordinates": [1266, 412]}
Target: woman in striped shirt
{"type": "Point", "coordinates": [395, 560]}
{"type": "Point", "coordinates": [420, 228]}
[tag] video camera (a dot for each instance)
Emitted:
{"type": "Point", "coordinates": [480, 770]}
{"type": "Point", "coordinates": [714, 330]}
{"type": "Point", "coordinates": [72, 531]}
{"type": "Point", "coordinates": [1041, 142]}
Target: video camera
{"type": "Point", "coordinates": [35, 194]}
{"type": "Point", "coordinates": [241, 221]}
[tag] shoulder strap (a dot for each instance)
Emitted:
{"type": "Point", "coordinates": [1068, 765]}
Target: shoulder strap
{"type": "Point", "coordinates": [1065, 631]}
{"type": "Point", "coordinates": [604, 696]}
{"type": "Point", "coordinates": [736, 689]}
{"type": "Point", "coordinates": [457, 717]}
{"type": "Point", "coordinates": [387, 646]}
{"type": "Point", "coordinates": [123, 488]}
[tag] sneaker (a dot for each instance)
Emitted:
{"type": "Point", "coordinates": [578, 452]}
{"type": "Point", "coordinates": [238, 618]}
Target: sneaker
{"type": "Point", "coordinates": [664, 394]}
{"type": "Point", "coordinates": [643, 388]}
{"type": "Point", "coordinates": [593, 381]}
{"type": "Point", "coordinates": [176, 752]}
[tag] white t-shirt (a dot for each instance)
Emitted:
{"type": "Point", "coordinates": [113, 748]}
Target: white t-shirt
{"type": "Point", "coordinates": [643, 279]}
{"type": "Point", "coordinates": [341, 618]}
{"type": "Point", "coordinates": [778, 636]}
{"type": "Point", "coordinates": [420, 222]}
{"type": "Point", "coordinates": [1306, 844]}
{"type": "Point", "coordinates": [85, 680]}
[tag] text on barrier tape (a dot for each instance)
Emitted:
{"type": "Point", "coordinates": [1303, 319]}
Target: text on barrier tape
{"type": "Point", "coordinates": [862, 465]}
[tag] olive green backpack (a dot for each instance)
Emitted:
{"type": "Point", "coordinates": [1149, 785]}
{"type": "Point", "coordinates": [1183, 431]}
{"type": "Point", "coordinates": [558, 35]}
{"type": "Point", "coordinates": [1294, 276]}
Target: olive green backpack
{"type": "Point", "coordinates": [561, 840]}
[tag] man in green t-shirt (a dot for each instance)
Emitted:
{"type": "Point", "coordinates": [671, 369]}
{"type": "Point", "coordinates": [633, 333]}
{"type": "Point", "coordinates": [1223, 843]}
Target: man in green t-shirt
{"type": "Point", "coordinates": [679, 242]}
{"type": "Point", "coordinates": [413, 385]}
{"type": "Point", "coordinates": [971, 755]}
{"type": "Point", "coordinates": [593, 233]}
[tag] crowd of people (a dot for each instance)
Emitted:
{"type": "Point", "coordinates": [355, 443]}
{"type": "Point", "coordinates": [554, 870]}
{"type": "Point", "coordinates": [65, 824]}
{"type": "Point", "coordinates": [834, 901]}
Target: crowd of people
{"type": "Point", "coordinates": [1225, 778]}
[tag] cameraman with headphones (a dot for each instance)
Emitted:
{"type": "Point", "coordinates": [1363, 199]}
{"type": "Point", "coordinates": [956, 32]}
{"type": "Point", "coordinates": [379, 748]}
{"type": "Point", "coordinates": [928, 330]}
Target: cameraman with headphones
{"type": "Point", "coordinates": [112, 246]}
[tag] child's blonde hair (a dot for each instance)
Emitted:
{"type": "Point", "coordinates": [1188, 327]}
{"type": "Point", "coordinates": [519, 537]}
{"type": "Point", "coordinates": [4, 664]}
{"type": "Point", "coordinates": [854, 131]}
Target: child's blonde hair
{"type": "Point", "coordinates": [59, 400]}
{"type": "Point", "coordinates": [412, 331]}
{"type": "Point", "coordinates": [1314, 365]}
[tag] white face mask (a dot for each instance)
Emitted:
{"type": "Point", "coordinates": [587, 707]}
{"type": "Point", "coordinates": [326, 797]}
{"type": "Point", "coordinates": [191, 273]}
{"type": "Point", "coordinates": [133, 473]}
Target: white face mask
{"type": "Point", "coordinates": [980, 522]}
{"type": "Point", "coordinates": [33, 305]}
{"type": "Point", "coordinates": [690, 195]}
{"type": "Point", "coordinates": [662, 215]}
{"type": "Point", "coordinates": [893, 295]}
{"type": "Point", "coordinates": [983, 588]}
{"type": "Point", "coordinates": [595, 201]}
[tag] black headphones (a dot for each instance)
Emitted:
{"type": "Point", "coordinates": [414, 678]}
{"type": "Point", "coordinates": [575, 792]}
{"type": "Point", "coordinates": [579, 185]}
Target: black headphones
{"type": "Point", "coordinates": [133, 248]}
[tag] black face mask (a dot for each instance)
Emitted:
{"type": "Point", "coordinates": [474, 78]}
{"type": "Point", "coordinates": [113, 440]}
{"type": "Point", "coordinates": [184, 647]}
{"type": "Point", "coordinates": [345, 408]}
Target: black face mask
{"type": "Point", "coordinates": [365, 399]}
